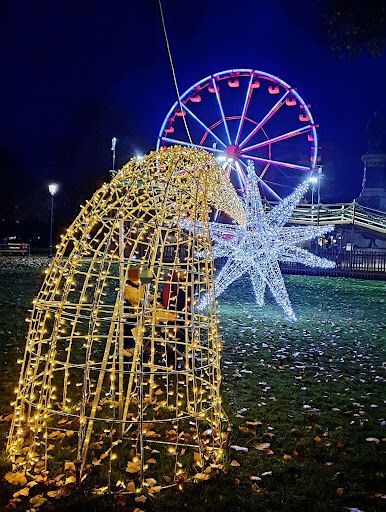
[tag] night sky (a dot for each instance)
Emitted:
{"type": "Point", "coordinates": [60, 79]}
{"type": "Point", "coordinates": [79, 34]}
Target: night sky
{"type": "Point", "coordinates": [75, 74]}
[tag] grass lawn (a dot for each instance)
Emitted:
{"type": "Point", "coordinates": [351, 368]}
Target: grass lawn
{"type": "Point", "coordinates": [306, 399]}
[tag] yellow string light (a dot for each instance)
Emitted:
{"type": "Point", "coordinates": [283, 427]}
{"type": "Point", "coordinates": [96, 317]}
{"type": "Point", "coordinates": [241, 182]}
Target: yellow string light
{"type": "Point", "coordinates": [102, 369]}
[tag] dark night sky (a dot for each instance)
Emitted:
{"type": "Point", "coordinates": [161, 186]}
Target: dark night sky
{"type": "Point", "coordinates": [77, 73]}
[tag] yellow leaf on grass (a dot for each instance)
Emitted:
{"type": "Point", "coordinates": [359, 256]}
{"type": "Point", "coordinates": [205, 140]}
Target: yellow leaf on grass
{"type": "Point", "coordinates": [99, 490]}
{"type": "Point", "coordinates": [57, 434]}
{"type": "Point", "coordinates": [22, 492]}
{"type": "Point", "coordinates": [59, 493]}
{"type": "Point", "coordinates": [70, 466]}
{"type": "Point", "coordinates": [235, 463]}
{"type": "Point", "coordinates": [133, 467]}
{"type": "Point", "coordinates": [16, 478]}
{"type": "Point", "coordinates": [131, 487]}
{"type": "Point", "coordinates": [37, 500]}
{"type": "Point", "coordinates": [197, 458]}
{"type": "Point", "coordinates": [287, 457]}
{"type": "Point", "coordinates": [150, 433]}
{"type": "Point", "coordinates": [152, 461]}
{"type": "Point", "coordinates": [203, 476]}
{"type": "Point", "coordinates": [70, 480]}
{"type": "Point", "coordinates": [53, 494]}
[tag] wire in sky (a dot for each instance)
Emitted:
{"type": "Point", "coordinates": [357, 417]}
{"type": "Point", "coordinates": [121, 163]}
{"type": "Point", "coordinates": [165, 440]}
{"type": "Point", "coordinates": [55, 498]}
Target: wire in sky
{"type": "Point", "coordinates": [173, 69]}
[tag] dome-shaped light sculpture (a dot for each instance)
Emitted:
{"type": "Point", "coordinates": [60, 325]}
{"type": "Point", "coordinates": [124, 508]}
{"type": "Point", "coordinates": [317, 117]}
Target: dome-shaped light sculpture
{"type": "Point", "coordinates": [120, 374]}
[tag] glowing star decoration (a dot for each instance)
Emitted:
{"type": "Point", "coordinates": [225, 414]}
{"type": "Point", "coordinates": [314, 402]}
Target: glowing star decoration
{"type": "Point", "coordinates": [257, 247]}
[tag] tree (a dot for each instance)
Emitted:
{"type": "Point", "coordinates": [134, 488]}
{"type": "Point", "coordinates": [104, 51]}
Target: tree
{"type": "Point", "coordinates": [356, 26]}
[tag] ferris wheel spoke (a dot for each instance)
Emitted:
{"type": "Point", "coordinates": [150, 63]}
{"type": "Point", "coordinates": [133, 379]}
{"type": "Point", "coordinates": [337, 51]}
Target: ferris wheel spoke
{"type": "Point", "coordinates": [266, 118]}
{"type": "Point", "coordinates": [276, 162]}
{"type": "Point", "coordinates": [279, 138]}
{"type": "Point", "coordinates": [245, 108]}
{"type": "Point", "coordinates": [221, 110]}
{"type": "Point", "coordinates": [263, 183]}
{"type": "Point", "coordinates": [203, 125]}
{"type": "Point", "coordinates": [241, 175]}
{"type": "Point", "coordinates": [190, 145]}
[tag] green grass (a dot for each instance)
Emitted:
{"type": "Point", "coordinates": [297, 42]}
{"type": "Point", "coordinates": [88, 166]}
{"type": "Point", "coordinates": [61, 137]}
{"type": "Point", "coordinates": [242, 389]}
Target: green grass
{"type": "Point", "coordinates": [316, 388]}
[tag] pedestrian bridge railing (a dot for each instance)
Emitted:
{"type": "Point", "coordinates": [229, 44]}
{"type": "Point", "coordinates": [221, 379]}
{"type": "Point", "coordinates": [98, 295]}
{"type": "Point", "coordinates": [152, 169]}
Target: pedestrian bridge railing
{"type": "Point", "coordinates": [339, 213]}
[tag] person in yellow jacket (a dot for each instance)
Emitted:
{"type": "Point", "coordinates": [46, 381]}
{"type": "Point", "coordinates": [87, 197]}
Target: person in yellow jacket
{"type": "Point", "coordinates": [133, 295]}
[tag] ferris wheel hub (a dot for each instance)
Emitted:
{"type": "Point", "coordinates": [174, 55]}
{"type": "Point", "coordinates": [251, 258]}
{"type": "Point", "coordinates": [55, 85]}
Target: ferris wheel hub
{"type": "Point", "coordinates": [232, 152]}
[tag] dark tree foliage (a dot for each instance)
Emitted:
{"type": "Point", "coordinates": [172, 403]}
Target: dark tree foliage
{"type": "Point", "coordinates": [356, 26]}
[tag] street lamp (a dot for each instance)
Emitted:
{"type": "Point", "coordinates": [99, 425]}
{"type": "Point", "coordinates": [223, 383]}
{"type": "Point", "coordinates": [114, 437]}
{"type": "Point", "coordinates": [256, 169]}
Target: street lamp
{"type": "Point", "coordinates": [52, 188]}
{"type": "Point", "coordinates": [313, 180]}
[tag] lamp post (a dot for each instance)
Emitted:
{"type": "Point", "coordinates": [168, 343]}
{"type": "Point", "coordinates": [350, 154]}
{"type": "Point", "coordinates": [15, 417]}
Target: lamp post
{"type": "Point", "coordinates": [52, 188]}
{"type": "Point", "coordinates": [313, 180]}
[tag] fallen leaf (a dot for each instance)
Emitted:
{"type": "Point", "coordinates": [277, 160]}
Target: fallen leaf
{"type": "Point", "coordinates": [133, 467]}
{"type": "Point", "coordinates": [17, 478]}
{"type": "Point", "coordinates": [57, 434]}
{"type": "Point", "coordinates": [22, 492]}
{"type": "Point", "coordinates": [70, 466]}
{"type": "Point", "coordinates": [37, 500]}
{"type": "Point", "coordinates": [98, 491]}
{"type": "Point", "coordinates": [202, 476]}
{"type": "Point", "coordinates": [235, 463]}
{"type": "Point", "coordinates": [131, 487]}
{"type": "Point", "coordinates": [262, 446]}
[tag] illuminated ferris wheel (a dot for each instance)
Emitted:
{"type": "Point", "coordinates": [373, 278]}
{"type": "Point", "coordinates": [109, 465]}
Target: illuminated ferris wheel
{"type": "Point", "coordinates": [245, 114]}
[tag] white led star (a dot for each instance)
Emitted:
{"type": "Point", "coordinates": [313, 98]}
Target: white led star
{"type": "Point", "coordinates": [259, 246]}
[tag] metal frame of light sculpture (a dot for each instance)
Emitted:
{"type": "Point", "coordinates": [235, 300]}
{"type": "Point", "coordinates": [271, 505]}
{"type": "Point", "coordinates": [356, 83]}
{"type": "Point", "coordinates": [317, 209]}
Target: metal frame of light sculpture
{"type": "Point", "coordinates": [232, 152]}
{"type": "Point", "coordinates": [257, 247]}
{"type": "Point", "coordinates": [155, 408]}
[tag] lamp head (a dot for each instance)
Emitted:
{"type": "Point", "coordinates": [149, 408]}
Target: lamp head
{"type": "Point", "coordinates": [53, 188]}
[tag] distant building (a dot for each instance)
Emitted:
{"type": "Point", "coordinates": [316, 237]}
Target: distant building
{"type": "Point", "coordinates": [373, 193]}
